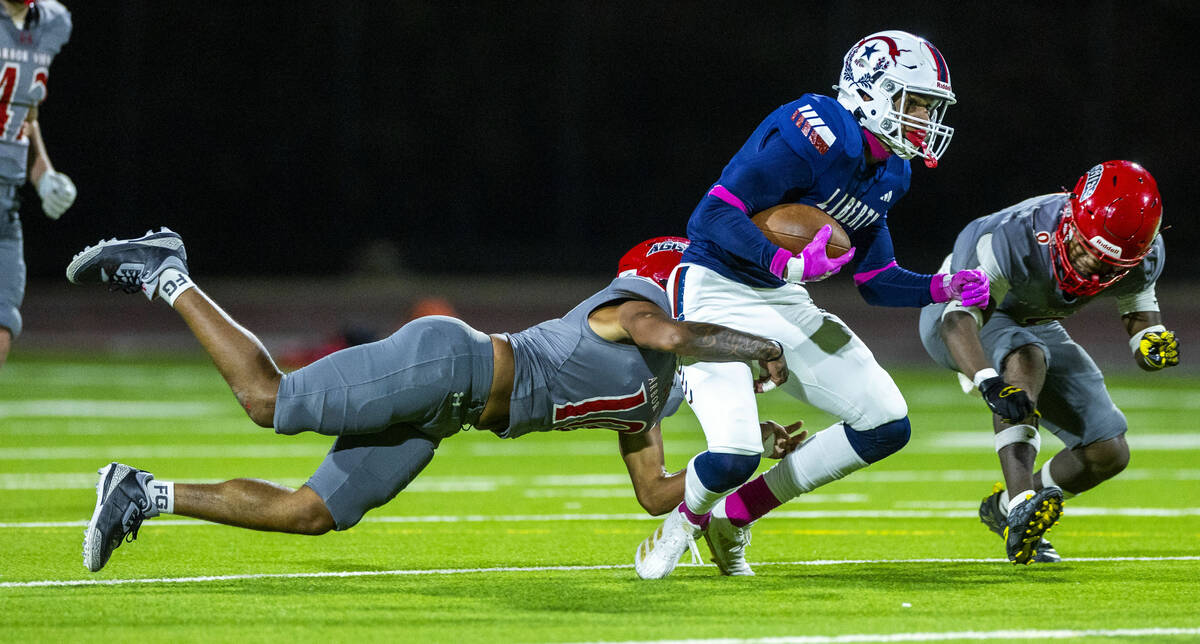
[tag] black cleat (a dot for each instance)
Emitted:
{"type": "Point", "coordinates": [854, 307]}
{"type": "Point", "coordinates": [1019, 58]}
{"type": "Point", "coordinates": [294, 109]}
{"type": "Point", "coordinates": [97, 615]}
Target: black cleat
{"type": "Point", "coordinates": [992, 516]}
{"type": "Point", "coordinates": [1028, 521]}
{"type": "Point", "coordinates": [990, 513]}
{"type": "Point", "coordinates": [121, 506]}
{"type": "Point", "coordinates": [130, 265]}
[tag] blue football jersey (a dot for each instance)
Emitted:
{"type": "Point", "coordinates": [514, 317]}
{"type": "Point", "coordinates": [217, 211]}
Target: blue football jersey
{"type": "Point", "coordinates": [808, 151]}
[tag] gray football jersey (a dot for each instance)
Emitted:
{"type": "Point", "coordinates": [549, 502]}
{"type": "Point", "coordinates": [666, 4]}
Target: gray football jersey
{"type": "Point", "coordinates": [26, 55]}
{"type": "Point", "coordinates": [1020, 247]}
{"type": "Point", "coordinates": [567, 377]}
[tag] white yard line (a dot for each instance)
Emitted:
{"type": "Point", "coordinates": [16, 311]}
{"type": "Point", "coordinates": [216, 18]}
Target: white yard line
{"type": "Point", "coordinates": [535, 486]}
{"type": "Point", "coordinates": [75, 408]}
{"type": "Point", "coordinates": [465, 571]}
{"type": "Point", "coordinates": [937, 636]}
{"type": "Point", "coordinates": [636, 516]}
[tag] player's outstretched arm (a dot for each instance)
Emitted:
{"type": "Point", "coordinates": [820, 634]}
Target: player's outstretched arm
{"type": "Point", "coordinates": [656, 490]}
{"type": "Point", "coordinates": [648, 326]}
{"type": "Point", "coordinates": [659, 491]}
{"type": "Point", "coordinates": [1153, 346]}
{"type": "Point", "coordinates": [960, 332]}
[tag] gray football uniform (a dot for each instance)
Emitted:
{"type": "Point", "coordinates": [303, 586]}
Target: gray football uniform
{"type": "Point", "coordinates": [1013, 247]}
{"type": "Point", "coordinates": [26, 54]}
{"type": "Point", "coordinates": [567, 377]}
{"type": "Point", "coordinates": [392, 402]}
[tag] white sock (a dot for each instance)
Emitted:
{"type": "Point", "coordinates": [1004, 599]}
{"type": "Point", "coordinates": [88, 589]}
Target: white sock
{"type": "Point", "coordinates": [1048, 481]}
{"type": "Point", "coordinates": [1004, 502]}
{"type": "Point", "coordinates": [826, 457]}
{"type": "Point", "coordinates": [172, 284]}
{"type": "Point", "coordinates": [1016, 499]}
{"type": "Point", "coordinates": [162, 496]}
{"type": "Point", "coordinates": [699, 499]}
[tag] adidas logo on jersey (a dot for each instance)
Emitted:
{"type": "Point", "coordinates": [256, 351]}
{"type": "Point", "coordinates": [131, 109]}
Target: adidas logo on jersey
{"type": "Point", "coordinates": [887, 197]}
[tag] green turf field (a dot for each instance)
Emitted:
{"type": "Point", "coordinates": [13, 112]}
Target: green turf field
{"type": "Point", "coordinates": [532, 540]}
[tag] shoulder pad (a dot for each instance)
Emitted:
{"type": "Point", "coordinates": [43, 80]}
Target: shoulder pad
{"type": "Point", "coordinates": [1155, 260]}
{"type": "Point", "coordinates": [54, 18]}
{"type": "Point", "coordinates": [818, 127]}
{"type": "Point", "coordinates": [640, 288]}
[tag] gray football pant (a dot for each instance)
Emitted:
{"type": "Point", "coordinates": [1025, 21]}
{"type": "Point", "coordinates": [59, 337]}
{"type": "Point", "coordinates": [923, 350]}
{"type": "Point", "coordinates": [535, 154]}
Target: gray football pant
{"type": "Point", "coordinates": [1074, 402]}
{"type": "Point", "coordinates": [390, 403]}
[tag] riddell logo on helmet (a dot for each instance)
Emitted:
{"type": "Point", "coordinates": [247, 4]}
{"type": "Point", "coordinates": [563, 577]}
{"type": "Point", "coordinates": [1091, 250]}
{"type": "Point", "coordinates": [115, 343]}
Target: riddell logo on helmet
{"type": "Point", "coordinates": [1106, 247]}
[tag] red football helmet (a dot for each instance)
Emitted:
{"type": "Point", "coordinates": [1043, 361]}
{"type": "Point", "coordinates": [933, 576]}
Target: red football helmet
{"type": "Point", "coordinates": [1114, 213]}
{"type": "Point", "coordinates": [654, 258]}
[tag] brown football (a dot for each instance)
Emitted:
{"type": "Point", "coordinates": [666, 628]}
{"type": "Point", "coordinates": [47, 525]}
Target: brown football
{"type": "Point", "coordinates": [793, 225]}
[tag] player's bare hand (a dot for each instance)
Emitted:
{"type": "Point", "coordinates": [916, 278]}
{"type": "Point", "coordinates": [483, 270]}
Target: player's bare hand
{"type": "Point", "coordinates": [774, 373]}
{"type": "Point", "coordinates": [778, 441]}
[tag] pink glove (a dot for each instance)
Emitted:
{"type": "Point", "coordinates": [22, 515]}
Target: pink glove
{"type": "Point", "coordinates": [810, 264]}
{"type": "Point", "coordinates": [969, 287]}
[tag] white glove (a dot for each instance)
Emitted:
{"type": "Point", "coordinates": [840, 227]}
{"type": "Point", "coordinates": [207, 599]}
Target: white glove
{"type": "Point", "coordinates": [57, 192]}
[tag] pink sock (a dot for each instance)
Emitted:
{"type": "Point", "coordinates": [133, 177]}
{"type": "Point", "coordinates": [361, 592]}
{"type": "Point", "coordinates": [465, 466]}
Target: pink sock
{"type": "Point", "coordinates": [696, 519]}
{"type": "Point", "coordinates": [750, 502]}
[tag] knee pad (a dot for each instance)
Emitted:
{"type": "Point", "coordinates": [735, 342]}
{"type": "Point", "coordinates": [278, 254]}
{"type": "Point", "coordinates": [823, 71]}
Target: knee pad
{"type": "Point", "coordinates": [875, 444]}
{"type": "Point", "coordinates": [722, 472]}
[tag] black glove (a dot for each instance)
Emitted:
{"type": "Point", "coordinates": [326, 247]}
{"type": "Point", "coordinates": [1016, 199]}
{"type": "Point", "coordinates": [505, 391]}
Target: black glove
{"type": "Point", "coordinates": [1010, 403]}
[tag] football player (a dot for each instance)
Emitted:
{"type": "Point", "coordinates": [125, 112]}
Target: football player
{"type": "Point", "coordinates": [609, 363]}
{"type": "Point", "coordinates": [849, 157]}
{"type": "Point", "coordinates": [1046, 258]}
{"type": "Point", "coordinates": [37, 32]}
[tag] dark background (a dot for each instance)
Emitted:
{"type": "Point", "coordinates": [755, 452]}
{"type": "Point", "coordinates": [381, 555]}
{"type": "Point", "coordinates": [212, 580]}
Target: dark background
{"type": "Point", "coordinates": [319, 138]}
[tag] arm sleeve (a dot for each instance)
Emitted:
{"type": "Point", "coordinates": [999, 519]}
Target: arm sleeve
{"type": "Point", "coordinates": [881, 281]}
{"type": "Point", "coordinates": [1144, 300]}
{"type": "Point", "coordinates": [754, 180]}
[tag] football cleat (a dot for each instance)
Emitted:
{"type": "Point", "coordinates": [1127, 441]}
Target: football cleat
{"type": "Point", "coordinates": [727, 543]}
{"type": "Point", "coordinates": [1045, 553]}
{"type": "Point", "coordinates": [1028, 521]}
{"type": "Point", "coordinates": [991, 514]}
{"type": "Point", "coordinates": [130, 265]}
{"type": "Point", "coordinates": [121, 506]}
{"type": "Point", "coordinates": [658, 554]}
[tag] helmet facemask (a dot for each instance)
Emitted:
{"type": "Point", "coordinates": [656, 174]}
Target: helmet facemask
{"type": "Point", "coordinates": [926, 138]}
{"type": "Point", "coordinates": [1070, 280]}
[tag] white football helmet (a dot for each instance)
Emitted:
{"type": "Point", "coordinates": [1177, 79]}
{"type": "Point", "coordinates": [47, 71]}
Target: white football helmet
{"type": "Point", "coordinates": [879, 73]}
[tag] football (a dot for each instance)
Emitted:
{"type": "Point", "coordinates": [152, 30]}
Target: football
{"type": "Point", "coordinates": [793, 225]}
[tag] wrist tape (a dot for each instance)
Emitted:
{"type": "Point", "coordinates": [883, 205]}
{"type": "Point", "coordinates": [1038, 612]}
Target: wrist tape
{"type": "Point", "coordinates": [1135, 342]}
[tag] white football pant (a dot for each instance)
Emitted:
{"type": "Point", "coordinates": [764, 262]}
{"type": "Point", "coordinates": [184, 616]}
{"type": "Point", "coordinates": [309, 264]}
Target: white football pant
{"type": "Point", "coordinates": [830, 367]}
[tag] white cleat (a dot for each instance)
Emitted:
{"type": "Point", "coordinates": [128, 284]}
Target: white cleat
{"type": "Point", "coordinates": [727, 543]}
{"type": "Point", "coordinates": [657, 556]}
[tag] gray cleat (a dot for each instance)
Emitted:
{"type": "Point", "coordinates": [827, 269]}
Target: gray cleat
{"type": "Point", "coordinates": [121, 506]}
{"type": "Point", "coordinates": [130, 265]}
